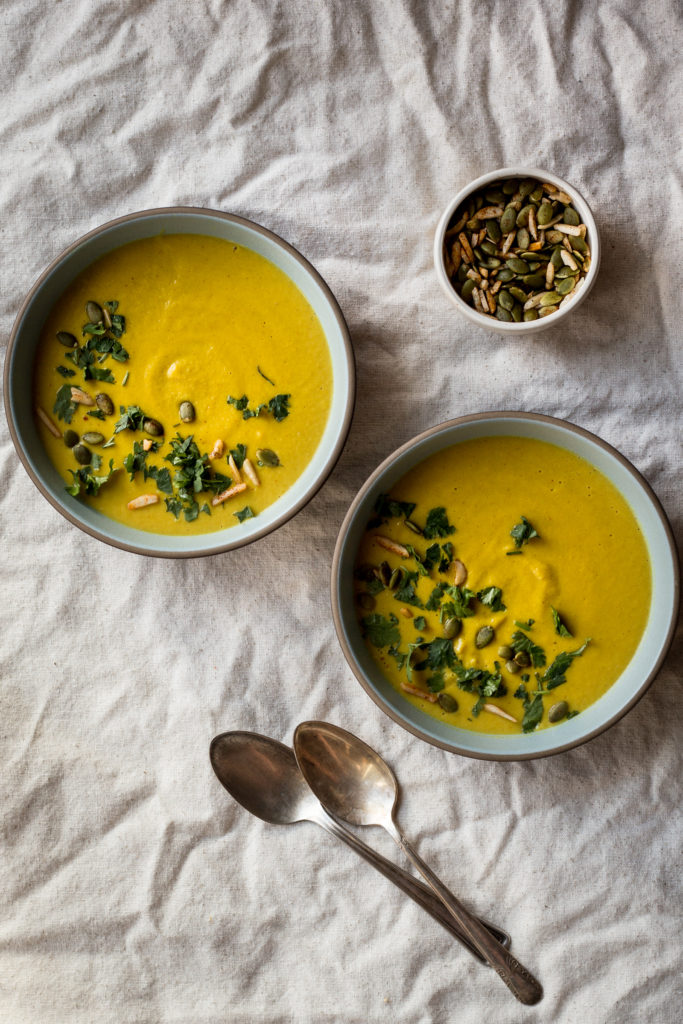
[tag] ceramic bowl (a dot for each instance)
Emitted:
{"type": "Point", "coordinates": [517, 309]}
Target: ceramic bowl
{"type": "Point", "coordinates": [490, 322]}
{"type": "Point", "coordinates": [53, 282]}
{"type": "Point", "coordinates": [639, 673]}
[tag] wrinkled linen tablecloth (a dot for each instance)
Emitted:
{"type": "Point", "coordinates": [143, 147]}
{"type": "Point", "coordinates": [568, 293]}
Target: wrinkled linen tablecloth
{"type": "Point", "coordinates": [132, 888]}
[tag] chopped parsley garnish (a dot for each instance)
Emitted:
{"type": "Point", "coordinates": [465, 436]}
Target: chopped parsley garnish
{"type": "Point", "coordinates": [523, 532]}
{"type": "Point", "coordinates": [245, 513]}
{"type": "Point", "coordinates": [64, 371]}
{"type": "Point", "coordinates": [436, 683]}
{"type": "Point", "coordinates": [136, 461]}
{"type": "Point", "coordinates": [447, 556]}
{"type": "Point", "coordinates": [440, 653]}
{"type": "Point", "coordinates": [560, 626]}
{"type": "Point", "coordinates": [533, 709]}
{"type": "Point", "coordinates": [381, 631]}
{"type": "Point", "coordinates": [64, 406]}
{"type": "Point", "coordinates": [103, 340]}
{"type": "Point", "coordinates": [521, 642]}
{"type": "Point", "coordinates": [86, 479]}
{"type": "Point", "coordinates": [525, 625]}
{"type": "Point", "coordinates": [390, 508]}
{"type": "Point", "coordinates": [420, 622]}
{"type": "Point", "coordinates": [265, 378]}
{"type": "Point", "coordinates": [459, 606]}
{"type": "Point", "coordinates": [555, 674]}
{"type": "Point", "coordinates": [432, 557]}
{"type": "Point", "coordinates": [131, 418]}
{"type": "Point", "coordinates": [492, 598]}
{"type": "Point", "coordinates": [277, 406]}
{"type": "Point", "coordinates": [437, 524]}
{"type": "Point", "coordinates": [434, 600]}
{"type": "Point", "coordinates": [406, 592]}
{"type": "Point", "coordinates": [96, 414]}
{"type": "Point", "coordinates": [239, 454]}
{"type": "Point", "coordinates": [422, 568]}
{"type": "Point", "coordinates": [193, 474]}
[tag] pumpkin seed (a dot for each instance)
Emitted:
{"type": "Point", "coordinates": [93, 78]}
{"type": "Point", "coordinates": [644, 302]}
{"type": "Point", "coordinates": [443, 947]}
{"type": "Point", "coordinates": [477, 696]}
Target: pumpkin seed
{"type": "Point", "coordinates": [93, 311]}
{"type": "Point", "coordinates": [505, 274]}
{"type": "Point", "coordinates": [104, 403]}
{"type": "Point", "coordinates": [505, 652]}
{"type": "Point", "coordinates": [530, 314]}
{"type": "Point", "coordinates": [544, 215]}
{"type": "Point", "coordinates": [70, 438]}
{"type": "Point", "coordinates": [537, 194]}
{"type": "Point", "coordinates": [566, 286]}
{"type": "Point", "coordinates": [550, 299]}
{"type": "Point", "coordinates": [517, 312]}
{"type": "Point", "coordinates": [526, 187]}
{"type": "Point", "coordinates": [152, 427]}
{"type": "Point", "coordinates": [518, 294]}
{"type": "Point", "coordinates": [413, 526]}
{"type": "Point", "coordinates": [564, 272]}
{"type": "Point", "coordinates": [447, 702]}
{"type": "Point", "coordinates": [467, 289]}
{"type": "Point", "coordinates": [267, 457]}
{"type": "Point", "coordinates": [546, 311]}
{"type": "Point", "coordinates": [571, 216]}
{"type": "Point", "coordinates": [523, 216]}
{"type": "Point", "coordinates": [66, 339]}
{"type": "Point", "coordinates": [451, 628]}
{"type": "Point", "coordinates": [523, 238]}
{"type": "Point", "coordinates": [93, 437]}
{"type": "Point", "coordinates": [384, 571]}
{"type": "Point", "coordinates": [395, 579]}
{"type": "Point", "coordinates": [484, 637]}
{"type": "Point", "coordinates": [493, 230]}
{"type": "Point", "coordinates": [82, 454]}
{"type": "Point", "coordinates": [512, 667]}
{"type": "Point", "coordinates": [509, 187]}
{"type": "Point", "coordinates": [534, 281]}
{"type": "Point", "coordinates": [519, 266]}
{"type": "Point", "coordinates": [522, 658]}
{"type": "Point", "coordinates": [507, 221]}
{"type": "Point", "coordinates": [490, 262]}
{"type": "Point", "coordinates": [502, 314]}
{"type": "Point", "coordinates": [558, 711]}
{"type": "Point", "coordinates": [494, 196]}
{"type": "Point", "coordinates": [488, 247]}
{"type": "Point", "coordinates": [186, 412]}
{"type": "Point", "coordinates": [366, 601]}
{"type": "Point", "coordinates": [505, 299]}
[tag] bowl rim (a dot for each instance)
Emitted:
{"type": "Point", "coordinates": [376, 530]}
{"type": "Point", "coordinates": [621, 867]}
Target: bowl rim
{"type": "Point", "coordinates": [386, 464]}
{"type": "Point", "coordinates": [490, 323]}
{"type": "Point", "coordinates": [332, 458]}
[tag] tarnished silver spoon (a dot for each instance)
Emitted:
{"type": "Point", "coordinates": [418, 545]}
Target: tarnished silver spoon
{"type": "Point", "coordinates": [262, 775]}
{"type": "Point", "coordinates": [355, 784]}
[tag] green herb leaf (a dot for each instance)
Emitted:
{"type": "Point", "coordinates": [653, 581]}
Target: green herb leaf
{"type": "Point", "coordinates": [95, 373]}
{"type": "Point", "coordinates": [555, 673]}
{"type": "Point", "coordinates": [390, 508]}
{"type": "Point", "coordinates": [136, 461]}
{"type": "Point", "coordinates": [432, 557]}
{"type": "Point", "coordinates": [131, 418]}
{"type": "Point", "coordinates": [533, 713]}
{"type": "Point", "coordinates": [381, 631]}
{"type": "Point", "coordinates": [521, 642]}
{"type": "Point", "coordinates": [96, 414]}
{"type": "Point", "coordinates": [64, 407]}
{"type": "Point", "coordinates": [407, 593]}
{"type": "Point", "coordinates": [86, 479]}
{"type": "Point", "coordinates": [64, 371]}
{"type": "Point", "coordinates": [264, 376]}
{"type": "Point", "coordinates": [246, 513]}
{"type": "Point", "coordinates": [277, 406]}
{"type": "Point", "coordinates": [440, 653]}
{"type": "Point", "coordinates": [523, 532]}
{"type": "Point", "coordinates": [525, 625]}
{"type": "Point", "coordinates": [560, 626]}
{"type": "Point", "coordinates": [461, 598]}
{"type": "Point", "coordinates": [436, 683]}
{"type": "Point", "coordinates": [492, 597]}
{"type": "Point", "coordinates": [420, 622]}
{"type": "Point", "coordinates": [239, 454]}
{"type": "Point", "coordinates": [447, 556]}
{"type": "Point", "coordinates": [437, 524]}
{"type": "Point", "coordinates": [434, 600]}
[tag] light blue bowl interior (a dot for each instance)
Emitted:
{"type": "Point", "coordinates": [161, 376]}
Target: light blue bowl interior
{"type": "Point", "coordinates": [650, 648]}
{"type": "Point", "coordinates": [61, 276]}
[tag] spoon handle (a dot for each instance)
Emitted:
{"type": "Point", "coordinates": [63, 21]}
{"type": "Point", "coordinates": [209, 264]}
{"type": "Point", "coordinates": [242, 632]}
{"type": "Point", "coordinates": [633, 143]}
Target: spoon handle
{"type": "Point", "coordinates": [520, 982]}
{"type": "Point", "coordinates": [417, 891]}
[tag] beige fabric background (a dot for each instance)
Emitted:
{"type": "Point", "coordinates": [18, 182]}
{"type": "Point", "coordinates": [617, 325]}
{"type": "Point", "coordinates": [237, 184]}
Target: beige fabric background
{"type": "Point", "coordinates": [132, 889]}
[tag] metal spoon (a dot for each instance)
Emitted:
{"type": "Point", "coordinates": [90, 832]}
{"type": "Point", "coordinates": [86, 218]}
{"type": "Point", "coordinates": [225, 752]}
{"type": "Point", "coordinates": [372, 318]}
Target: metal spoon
{"type": "Point", "coordinates": [354, 783]}
{"type": "Point", "coordinates": [263, 776]}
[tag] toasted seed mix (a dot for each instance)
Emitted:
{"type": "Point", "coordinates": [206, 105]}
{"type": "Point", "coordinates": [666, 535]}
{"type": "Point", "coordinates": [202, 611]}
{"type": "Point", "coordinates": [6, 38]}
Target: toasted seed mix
{"type": "Point", "coordinates": [517, 233]}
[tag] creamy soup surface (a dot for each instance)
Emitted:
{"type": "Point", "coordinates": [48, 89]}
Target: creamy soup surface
{"type": "Point", "coordinates": [205, 321]}
{"type": "Point", "coordinates": [549, 562]}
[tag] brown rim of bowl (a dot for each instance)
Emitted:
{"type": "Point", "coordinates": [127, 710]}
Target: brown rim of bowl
{"type": "Point", "coordinates": [336, 613]}
{"type": "Point", "coordinates": [348, 412]}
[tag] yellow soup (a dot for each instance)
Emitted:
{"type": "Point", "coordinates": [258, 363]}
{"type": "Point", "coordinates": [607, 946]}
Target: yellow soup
{"type": "Point", "coordinates": [516, 555]}
{"type": "Point", "coordinates": [204, 321]}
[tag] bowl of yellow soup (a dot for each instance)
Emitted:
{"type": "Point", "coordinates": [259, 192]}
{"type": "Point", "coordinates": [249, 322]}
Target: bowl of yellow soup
{"type": "Point", "coordinates": [505, 586]}
{"type": "Point", "coordinates": [179, 382]}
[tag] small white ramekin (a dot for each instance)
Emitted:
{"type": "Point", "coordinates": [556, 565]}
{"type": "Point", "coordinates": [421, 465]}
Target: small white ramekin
{"type": "Point", "coordinates": [531, 326]}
